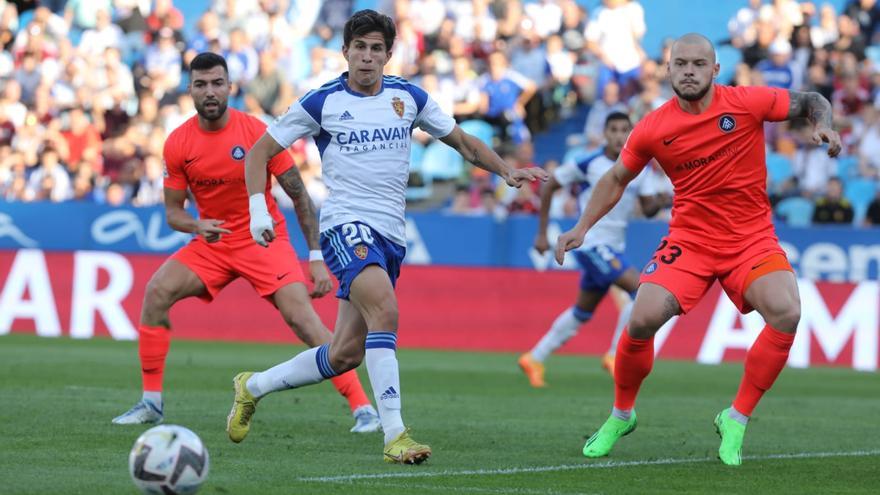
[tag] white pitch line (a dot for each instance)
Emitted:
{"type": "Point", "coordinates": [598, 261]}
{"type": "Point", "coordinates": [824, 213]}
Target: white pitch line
{"type": "Point", "coordinates": [570, 467]}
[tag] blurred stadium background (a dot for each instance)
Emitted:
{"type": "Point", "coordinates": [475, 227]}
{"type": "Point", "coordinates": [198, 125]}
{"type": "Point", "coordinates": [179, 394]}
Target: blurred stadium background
{"type": "Point", "coordinates": [90, 88]}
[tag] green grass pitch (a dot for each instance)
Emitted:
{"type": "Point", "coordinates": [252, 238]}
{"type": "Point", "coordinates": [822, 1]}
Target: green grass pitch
{"type": "Point", "coordinates": [816, 431]}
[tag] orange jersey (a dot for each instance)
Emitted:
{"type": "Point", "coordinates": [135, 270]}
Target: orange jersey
{"type": "Point", "coordinates": [211, 164]}
{"type": "Point", "coordinates": [716, 162]}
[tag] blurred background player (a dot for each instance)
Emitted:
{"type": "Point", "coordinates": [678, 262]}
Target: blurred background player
{"type": "Point", "coordinates": [362, 122]}
{"type": "Point", "coordinates": [710, 142]}
{"type": "Point", "coordinates": [206, 155]}
{"type": "Point", "coordinates": [601, 255]}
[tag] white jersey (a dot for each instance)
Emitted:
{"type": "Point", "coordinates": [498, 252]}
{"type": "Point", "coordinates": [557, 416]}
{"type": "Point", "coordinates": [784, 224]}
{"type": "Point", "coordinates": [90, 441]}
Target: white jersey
{"type": "Point", "coordinates": [365, 147]}
{"type": "Point", "coordinates": [610, 230]}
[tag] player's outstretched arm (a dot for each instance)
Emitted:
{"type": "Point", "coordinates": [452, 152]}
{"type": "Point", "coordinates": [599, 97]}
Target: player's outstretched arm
{"type": "Point", "coordinates": [552, 185]}
{"type": "Point", "coordinates": [476, 152]}
{"type": "Point", "coordinates": [306, 213]}
{"type": "Point", "coordinates": [815, 108]}
{"type": "Point", "coordinates": [606, 194]}
{"type": "Point", "coordinates": [262, 225]}
{"type": "Point", "coordinates": [180, 220]}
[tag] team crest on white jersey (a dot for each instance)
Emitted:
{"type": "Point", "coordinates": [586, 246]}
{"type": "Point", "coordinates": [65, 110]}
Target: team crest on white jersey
{"type": "Point", "coordinates": [398, 106]}
{"type": "Point", "coordinates": [238, 152]}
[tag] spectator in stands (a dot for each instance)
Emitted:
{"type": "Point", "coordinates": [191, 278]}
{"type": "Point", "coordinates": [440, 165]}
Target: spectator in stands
{"type": "Point", "coordinates": [873, 216]}
{"type": "Point", "coordinates": [104, 35]}
{"type": "Point", "coordinates": [777, 70]}
{"type": "Point", "coordinates": [825, 33]}
{"type": "Point", "coordinates": [741, 26]}
{"type": "Point", "coordinates": [466, 94]}
{"type": "Point", "coordinates": [82, 14]}
{"type": "Point", "coordinates": [614, 35]}
{"type": "Point", "coordinates": [765, 34]}
{"type": "Point", "coordinates": [811, 164]}
{"type": "Point", "coordinates": [869, 144]}
{"type": "Point", "coordinates": [268, 88]}
{"type": "Point", "coordinates": [866, 13]}
{"type": "Point", "coordinates": [504, 95]}
{"type": "Point", "coordinates": [851, 97]}
{"type": "Point", "coordinates": [82, 137]}
{"type": "Point", "coordinates": [49, 182]}
{"type": "Point", "coordinates": [29, 77]}
{"type": "Point", "coordinates": [150, 185]}
{"type": "Point", "coordinates": [163, 65]}
{"type": "Point", "coordinates": [610, 102]}
{"type": "Point", "coordinates": [833, 208]}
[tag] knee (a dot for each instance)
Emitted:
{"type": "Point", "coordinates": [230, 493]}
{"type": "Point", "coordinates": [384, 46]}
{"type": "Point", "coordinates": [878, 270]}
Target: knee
{"type": "Point", "coordinates": [642, 325]}
{"type": "Point", "coordinates": [785, 319]}
{"type": "Point", "coordinates": [384, 317]}
{"type": "Point", "coordinates": [157, 295]}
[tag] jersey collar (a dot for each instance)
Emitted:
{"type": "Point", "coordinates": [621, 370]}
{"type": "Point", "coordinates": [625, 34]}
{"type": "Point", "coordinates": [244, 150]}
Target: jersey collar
{"type": "Point", "coordinates": [344, 80]}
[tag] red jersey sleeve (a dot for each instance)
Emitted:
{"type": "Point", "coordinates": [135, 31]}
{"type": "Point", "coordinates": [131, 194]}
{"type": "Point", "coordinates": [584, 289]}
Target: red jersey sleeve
{"type": "Point", "coordinates": [175, 177]}
{"type": "Point", "coordinates": [282, 162]}
{"type": "Point", "coordinates": [766, 103]}
{"type": "Point", "coordinates": [636, 152]}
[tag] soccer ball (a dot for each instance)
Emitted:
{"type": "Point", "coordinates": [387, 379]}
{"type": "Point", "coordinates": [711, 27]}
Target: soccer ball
{"type": "Point", "coordinates": [168, 460]}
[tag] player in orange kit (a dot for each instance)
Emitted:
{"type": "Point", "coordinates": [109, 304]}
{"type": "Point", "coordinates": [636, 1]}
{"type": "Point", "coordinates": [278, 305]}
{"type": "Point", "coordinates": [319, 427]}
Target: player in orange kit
{"type": "Point", "coordinates": [710, 142]}
{"type": "Point", "coordinates": [206, 155]}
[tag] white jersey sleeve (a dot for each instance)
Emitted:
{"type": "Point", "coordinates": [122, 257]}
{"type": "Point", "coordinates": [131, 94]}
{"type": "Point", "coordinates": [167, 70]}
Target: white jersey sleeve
{"type": "Point", "coordinates": [296, 123]}
{"type": "Point", "coordinates": [434, 121]}
{"type": "Point", "coordinates": [647, 185]}
{"type": "Point", "coordinates": [569, 173]}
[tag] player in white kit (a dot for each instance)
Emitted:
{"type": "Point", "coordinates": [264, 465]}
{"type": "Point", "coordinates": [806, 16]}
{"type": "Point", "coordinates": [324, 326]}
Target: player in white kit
{"type": "Point", "coordinates": [362, 124]}
{"type": "Point", "coordinates": [601, 255]}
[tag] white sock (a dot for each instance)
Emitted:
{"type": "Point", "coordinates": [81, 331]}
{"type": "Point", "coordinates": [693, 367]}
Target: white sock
{"type": "Point", "coordinates": [738, 416]}
{"type": "Point", "coordinates": [381, 358]}
{"type": "Point", "coordinates": [297, 372]}
{"type": "Point", "coordinates": [564, 328]}
{"type": "Point", "coordinates": [623, 414]}
{"type": "Point", "coordinates": [154, 397]}
{"type": "Point", "coordinates": [622, 320]}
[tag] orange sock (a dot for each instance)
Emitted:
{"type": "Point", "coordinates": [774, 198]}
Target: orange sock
{"type": "Point", "coordinates": [349, 386]}
{"type": "Point", "coordinates": [632, 363]}
{"type": "Point", "coordinates": [764, 362]}
{"type": "Point", "coordinates": [153, 347]}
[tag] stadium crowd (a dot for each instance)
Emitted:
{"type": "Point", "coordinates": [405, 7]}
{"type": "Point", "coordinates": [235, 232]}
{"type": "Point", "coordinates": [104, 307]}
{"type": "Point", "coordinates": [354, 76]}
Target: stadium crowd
{"type": "Point", "coordinates": [89, 89]}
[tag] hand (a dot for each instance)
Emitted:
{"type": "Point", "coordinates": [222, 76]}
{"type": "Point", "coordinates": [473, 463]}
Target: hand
{"type": "Point", "coordinates": [210, 229]}
{"type": "Point", "coordinates": [567, 241]}
{"type": "Point", "coordinates": [541, 243]}
{"type": "Point", "coordinates": [519, 176]}
{"type": "Point", "coordinates": [262, 224]}
{"type": "Point", "coordinates": [321, 278]}
{"type": "Point", "coordinates": [822, 134]}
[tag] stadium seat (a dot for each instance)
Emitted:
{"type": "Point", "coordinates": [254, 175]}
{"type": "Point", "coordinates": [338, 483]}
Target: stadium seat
{"type": "Point", "coordinates": [419, 185]}
{"type": "Point", "coordinates": [481, 129]}
{"type": "Point", "coordinates": [440, 162]}
{"type": "Point", "coordinates": [778, 168]}
{"type": "Point", "coordinates": [847, 167]}
{"type": "Point", "coordinates": [860, 192]}
{"type": "Point", "coordinates": [797, 211]}
{"type": "Point", "coordinates": [728, 58]}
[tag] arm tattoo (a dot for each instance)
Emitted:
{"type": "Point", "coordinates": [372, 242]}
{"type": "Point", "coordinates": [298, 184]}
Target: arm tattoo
{"type": "Point", "coordinates": [812, 106]}
{"type": "Point", "coordinates": [292, 184]}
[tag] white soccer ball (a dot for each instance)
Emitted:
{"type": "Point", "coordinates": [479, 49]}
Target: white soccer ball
{"type": "Point", "coordinates": [168, 460]}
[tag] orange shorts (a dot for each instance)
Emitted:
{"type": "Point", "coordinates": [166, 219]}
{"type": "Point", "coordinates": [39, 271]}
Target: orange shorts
{"type": "Point", "coordinates": [687, 269]}
{"type": "Point", "coordinates": [218, 264]}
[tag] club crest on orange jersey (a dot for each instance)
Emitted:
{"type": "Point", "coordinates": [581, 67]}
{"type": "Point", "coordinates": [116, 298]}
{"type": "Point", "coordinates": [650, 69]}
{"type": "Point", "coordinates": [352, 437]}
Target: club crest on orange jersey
{"type": "Point", "coordinates": [398, 106]}
{"type": "Point", "coordinates": [237, 153]}
{"type": "Point", "coordinates": [360, 251]}
{"type": "Point", "coordinates": [726, 123]}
